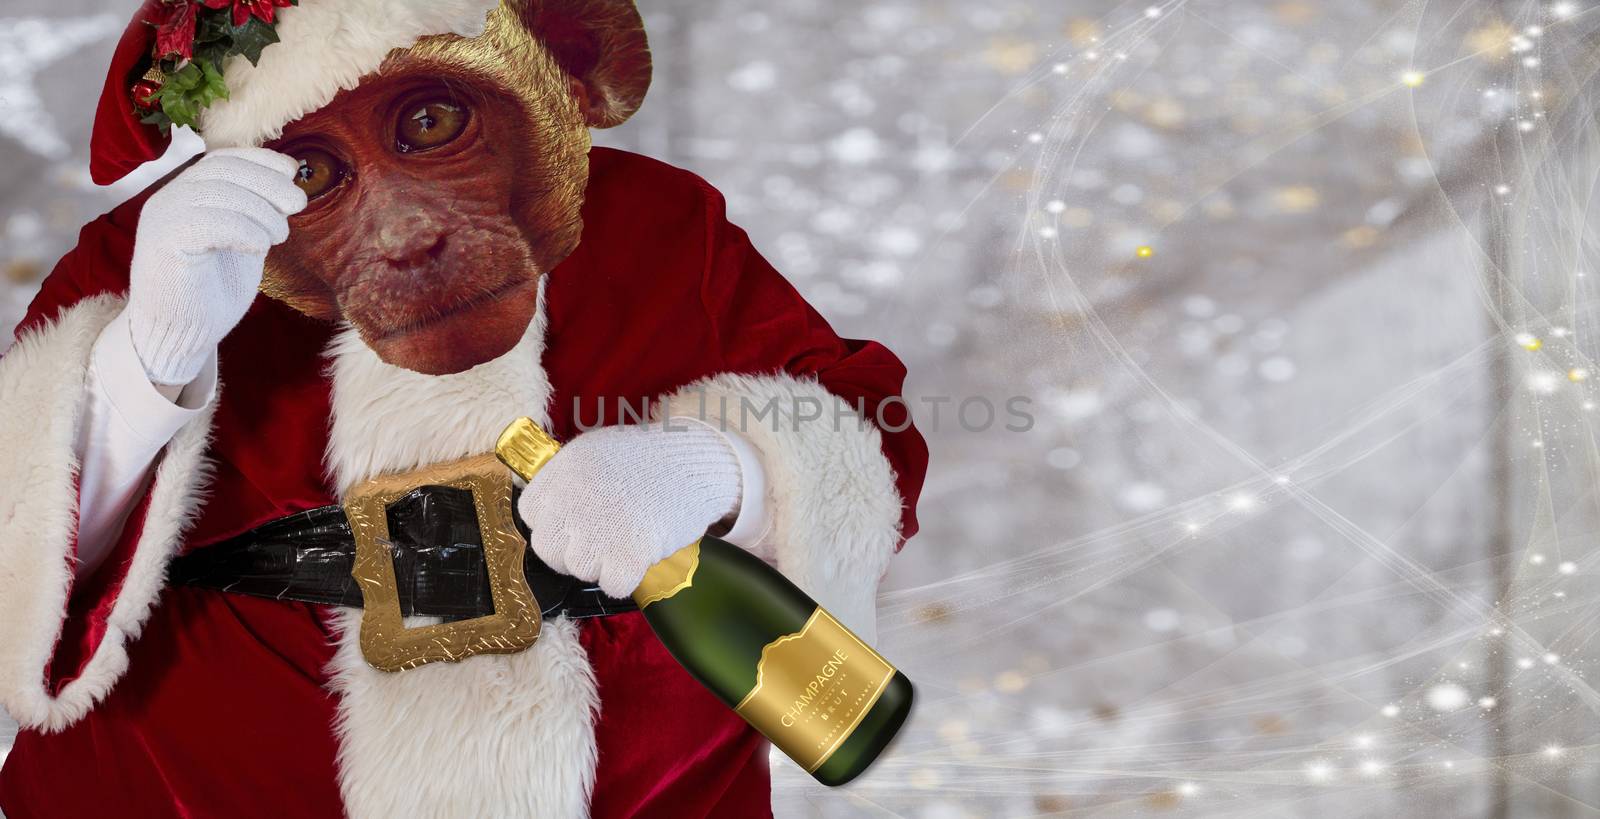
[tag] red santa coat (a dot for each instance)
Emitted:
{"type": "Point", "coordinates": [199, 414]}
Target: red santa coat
{"type": "Point", "coordinates": [138, 699]}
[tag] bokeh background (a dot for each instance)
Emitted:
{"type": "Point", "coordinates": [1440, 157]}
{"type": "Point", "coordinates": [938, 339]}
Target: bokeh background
{"type": "Point", "coordinates": [1302, 294]}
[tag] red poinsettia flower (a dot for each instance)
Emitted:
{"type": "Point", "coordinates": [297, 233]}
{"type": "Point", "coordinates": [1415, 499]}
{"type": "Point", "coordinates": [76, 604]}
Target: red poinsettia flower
{"type": "Point", "coordinates": [243, 10]}
{"type": "Point", "coordinates": [175, 24]}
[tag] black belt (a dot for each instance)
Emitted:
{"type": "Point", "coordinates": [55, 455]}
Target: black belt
{"type": "Point", "coordinates": [438, 563]}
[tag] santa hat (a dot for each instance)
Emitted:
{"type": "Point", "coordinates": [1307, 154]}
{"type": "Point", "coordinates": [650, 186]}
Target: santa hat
{"type": "Point", "coordinates": [327, 46]}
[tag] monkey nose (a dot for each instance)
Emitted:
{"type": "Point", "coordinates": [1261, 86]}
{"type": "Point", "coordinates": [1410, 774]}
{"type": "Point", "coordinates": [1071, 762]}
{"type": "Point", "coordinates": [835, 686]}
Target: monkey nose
{"type": "Point", "coordinates": [417, 252]}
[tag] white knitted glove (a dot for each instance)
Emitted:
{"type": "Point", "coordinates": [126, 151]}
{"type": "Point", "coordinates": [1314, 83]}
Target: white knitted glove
{"type": "Point", "coordinates": [617, 500]}
{"type": "Point", "coordinates": [199, 252]}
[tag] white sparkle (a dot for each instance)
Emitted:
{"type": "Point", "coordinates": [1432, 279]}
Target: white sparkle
{"type": "Point", "coordinates": [1447, 697]}
{"type": "Point", "coordinates": [857, 146]}
{"type": "Point", "coordinates": [1545, 382]}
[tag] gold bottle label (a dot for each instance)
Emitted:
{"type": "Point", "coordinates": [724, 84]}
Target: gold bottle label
{"type": "Point", "coordinates": [812, 689]}
{"type": "Point", "coordinates": [670, 576]}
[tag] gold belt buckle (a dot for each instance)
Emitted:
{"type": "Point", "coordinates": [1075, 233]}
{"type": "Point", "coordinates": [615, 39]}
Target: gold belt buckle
{"type": "Point", "coordinates": [386, 643]}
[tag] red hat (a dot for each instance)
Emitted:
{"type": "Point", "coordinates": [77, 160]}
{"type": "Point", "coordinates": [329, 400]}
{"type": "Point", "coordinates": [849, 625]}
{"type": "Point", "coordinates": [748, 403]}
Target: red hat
{"type": "Point", "coordinates": [121, 142]}
{"type": "Point", "coordinates": [325, 46]}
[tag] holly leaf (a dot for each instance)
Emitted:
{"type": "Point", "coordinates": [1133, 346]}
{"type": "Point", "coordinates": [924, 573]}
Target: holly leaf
{"type": "Point", "coordinates": [184, 79]}
{"type": "Point", "coordinates": [159, 119]}
{"type": "Point", "coordinates": [212, 86]}
{"type": "Point", "coordinates": [190, 89]}
{"type": "Point", "coordinates": [214, 53]}
{"type": "Point", "coordinates": [214, 27]}
{"type": "Point", "coordinates": [180, 109]}
{"type": "Point", "coordinates": [250, 38]}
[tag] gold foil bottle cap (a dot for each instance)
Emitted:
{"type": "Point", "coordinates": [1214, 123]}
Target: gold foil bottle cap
{"type": "Point", "coordinates": [525, 447]}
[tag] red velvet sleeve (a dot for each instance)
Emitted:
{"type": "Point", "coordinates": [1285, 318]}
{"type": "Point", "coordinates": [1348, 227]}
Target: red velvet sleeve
{"type": "Point", "coordinates": [758, 318]}
{"type": "Point", "coordinates": [99, 264]}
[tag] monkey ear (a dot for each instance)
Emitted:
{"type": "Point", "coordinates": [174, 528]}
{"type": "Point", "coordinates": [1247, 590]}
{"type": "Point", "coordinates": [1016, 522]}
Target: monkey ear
{"type": "Point", "coordinates": [602, 45]}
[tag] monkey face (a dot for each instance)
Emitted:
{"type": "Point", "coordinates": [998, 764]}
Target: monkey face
{"type": "Point", "coordinates": [437, 200]}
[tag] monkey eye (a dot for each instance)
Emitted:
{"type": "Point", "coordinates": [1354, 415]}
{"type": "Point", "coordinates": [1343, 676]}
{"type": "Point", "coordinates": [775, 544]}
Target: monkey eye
{"type": "Point", "coordinates": [320, 172]}
{"type": "Point", "coordinates": [429, 125]}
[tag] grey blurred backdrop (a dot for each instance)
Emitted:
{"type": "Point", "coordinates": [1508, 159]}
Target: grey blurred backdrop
{"type": "Point", "coordinates": [1299, 294]}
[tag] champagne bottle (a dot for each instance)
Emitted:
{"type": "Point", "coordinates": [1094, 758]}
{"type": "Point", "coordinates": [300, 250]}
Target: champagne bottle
{"type": "Point", "coordinates": [763, 646]}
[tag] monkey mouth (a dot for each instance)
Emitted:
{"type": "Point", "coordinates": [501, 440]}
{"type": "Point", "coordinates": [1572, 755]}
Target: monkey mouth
{"type": "Point", "coordinates": [456, 309]}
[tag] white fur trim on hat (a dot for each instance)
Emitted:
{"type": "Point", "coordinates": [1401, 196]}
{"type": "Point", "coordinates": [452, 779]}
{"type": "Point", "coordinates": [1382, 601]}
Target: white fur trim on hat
{"type": "Point", "coordinates": [326, 46]}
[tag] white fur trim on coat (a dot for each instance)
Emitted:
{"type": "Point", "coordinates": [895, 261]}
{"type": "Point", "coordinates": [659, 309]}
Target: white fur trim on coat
{"type": "Point", "coordinates": [325, 46]}
{"type": "Point", "coordinates": [496, 735]}
{"type": "Point", "coordinates": [835, 509]}
{"type": "Point", "coordinates": [42, 384]}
